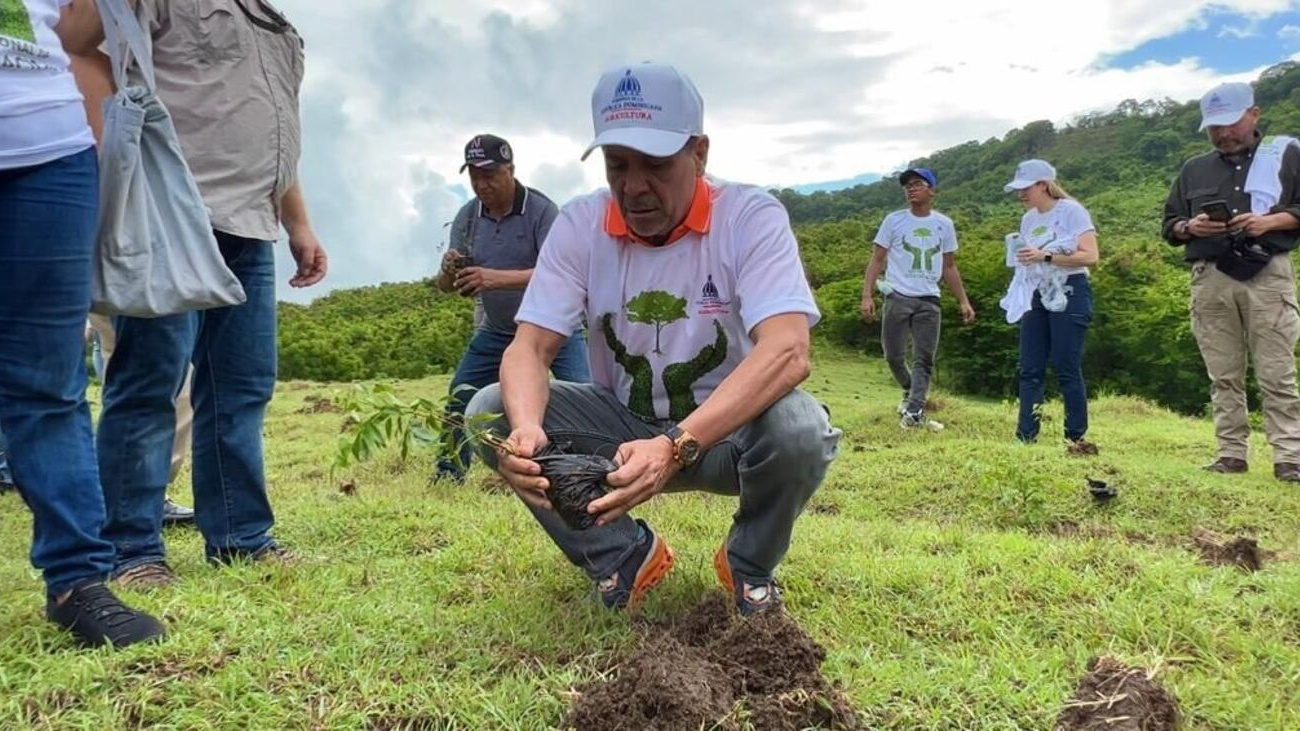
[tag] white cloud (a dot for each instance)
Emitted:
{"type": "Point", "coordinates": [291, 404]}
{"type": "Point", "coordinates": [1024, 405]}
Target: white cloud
{"type": "Point", "coordinates": [1289, 33]}
{"type": "Point", "coordinates": [1250, 30]}
{"type": "Point", "coordinates": [795, 91]}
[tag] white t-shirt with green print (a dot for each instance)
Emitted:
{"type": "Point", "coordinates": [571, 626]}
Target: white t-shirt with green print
{"type": "Point", "coordinates": [1058, 230]}
{"type": "Point", "coordinates": [41, 113]}
{"type": "Point", "coordinates": [916, 247]}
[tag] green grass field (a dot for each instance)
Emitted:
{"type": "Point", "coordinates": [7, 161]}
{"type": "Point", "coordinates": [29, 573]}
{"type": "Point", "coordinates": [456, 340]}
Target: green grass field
{"type": "Point", "coordinates": [958, 581]}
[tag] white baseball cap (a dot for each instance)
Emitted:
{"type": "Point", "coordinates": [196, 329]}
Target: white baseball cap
{"type": "Point", "coordinates": [1225, 104]}
{"type": "Point", "coordinates": [652, 108]}
{"type": "Point", "coordinates": [1030, 172]}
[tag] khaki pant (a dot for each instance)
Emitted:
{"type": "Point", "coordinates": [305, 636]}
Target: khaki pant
{"type": "Point", "coordinates": [184, 412]}
{"type": "Point", "coordinates": [1230, 319]}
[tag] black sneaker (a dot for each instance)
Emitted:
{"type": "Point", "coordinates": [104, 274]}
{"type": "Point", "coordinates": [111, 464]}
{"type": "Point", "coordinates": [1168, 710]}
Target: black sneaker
{"type": "Point", "coordinates": [96, 617]}
{"type": "Point", "coordinates": [173, 513]}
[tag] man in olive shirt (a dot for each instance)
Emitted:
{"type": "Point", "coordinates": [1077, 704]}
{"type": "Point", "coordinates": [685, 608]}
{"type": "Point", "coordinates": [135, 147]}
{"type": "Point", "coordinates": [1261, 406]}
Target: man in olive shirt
{"type": "Point", "coordinates": [229, 71]}
{"type": "Point", "coordinates": [1257, 181]}
{"type": "Point", "coordinates": [495, 240]}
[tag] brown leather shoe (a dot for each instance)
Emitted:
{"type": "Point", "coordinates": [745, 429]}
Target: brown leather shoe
{"type": "Point", "coordinates": [1227, 466]}
{"type": "Point", "coordinates": [1287, 471]}
{"type": "Point", "coordinates": [147, 576]}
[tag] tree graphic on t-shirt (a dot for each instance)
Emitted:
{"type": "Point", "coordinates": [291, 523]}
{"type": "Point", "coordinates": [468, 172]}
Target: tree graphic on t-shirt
{"type": "Point", "coordinates": [640, 398]}
{"type": "Point", "coordinates": [656, 307]}
{"type": "Point", "coordinates": [680, 378]}
{"type": "Point", "coordinates": [922, 259]}
{"type": "Point", "coordinates": [15, 22]}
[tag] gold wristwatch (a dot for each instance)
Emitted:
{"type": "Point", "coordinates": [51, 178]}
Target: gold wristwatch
{"type": "Point", "coordinates": [686, 448]}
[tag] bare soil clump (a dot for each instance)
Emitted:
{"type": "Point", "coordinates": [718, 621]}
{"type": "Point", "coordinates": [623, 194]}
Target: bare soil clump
{"type": "Point", "coordinates": [1115, 697]}
{"type": "Point", "coordinates": [1218, 549]}
{"type": "Point", "coordinates": [711, 669]}
{"type": "Point", "coordinates": [314, 404]}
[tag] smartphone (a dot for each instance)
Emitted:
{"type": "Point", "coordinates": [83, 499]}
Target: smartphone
{"type": "Point", "coordinates": [1217, 211]}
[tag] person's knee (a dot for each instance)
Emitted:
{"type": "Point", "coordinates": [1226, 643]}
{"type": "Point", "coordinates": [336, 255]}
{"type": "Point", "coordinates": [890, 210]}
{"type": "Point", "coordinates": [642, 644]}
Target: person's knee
{"type": "Point", "coordinates": [486, 401]}
{"type": "Point", "coordinates": [799, 431]}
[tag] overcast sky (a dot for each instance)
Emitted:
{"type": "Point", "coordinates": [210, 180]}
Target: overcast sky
{"type": "Point", "coordinates": [794, 92]}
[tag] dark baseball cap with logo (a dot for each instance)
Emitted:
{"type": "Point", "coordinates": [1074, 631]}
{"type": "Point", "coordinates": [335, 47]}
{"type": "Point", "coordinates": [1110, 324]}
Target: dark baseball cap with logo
{"type": "Point", "coordinates": [487, 151]}
{"type": "Point", "coordinates": [925, 174]}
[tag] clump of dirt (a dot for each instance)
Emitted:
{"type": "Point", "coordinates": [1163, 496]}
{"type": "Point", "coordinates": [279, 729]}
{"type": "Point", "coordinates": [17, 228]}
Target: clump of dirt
{"type": "Point", "coordinates": [823, 508]}
{"type": "Point", "coordinates": [1218, 549]}
{"type": "Point", "coordinates": [711, 669]}
{"type": "Point", "coordinates": [314, 404]}
{"type": "Point", "coordinates": [1082, 448]}
{"type": "Point", "coordinates": [1115, 697]}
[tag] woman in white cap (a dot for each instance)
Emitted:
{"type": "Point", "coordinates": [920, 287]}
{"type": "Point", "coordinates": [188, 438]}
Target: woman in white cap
{"type": "Point", "coordinates": [1051, 298]}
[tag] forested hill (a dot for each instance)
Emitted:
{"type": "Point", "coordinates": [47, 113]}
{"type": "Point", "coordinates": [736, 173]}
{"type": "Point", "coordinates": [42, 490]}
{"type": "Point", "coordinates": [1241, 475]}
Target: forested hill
{"type": "Point", "coordinates": [1139, 143]}
{"type": "Point", "coordinates": [1118, 164]}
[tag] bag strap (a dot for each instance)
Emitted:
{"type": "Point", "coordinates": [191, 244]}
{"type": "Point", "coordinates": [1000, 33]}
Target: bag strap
{"type": "Point", "coordinates": [126, 42]}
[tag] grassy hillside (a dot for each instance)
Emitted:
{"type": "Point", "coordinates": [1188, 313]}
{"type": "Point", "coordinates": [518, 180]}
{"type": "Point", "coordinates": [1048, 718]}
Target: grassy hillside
{"type": "Point", "coordinates": [958, 581]}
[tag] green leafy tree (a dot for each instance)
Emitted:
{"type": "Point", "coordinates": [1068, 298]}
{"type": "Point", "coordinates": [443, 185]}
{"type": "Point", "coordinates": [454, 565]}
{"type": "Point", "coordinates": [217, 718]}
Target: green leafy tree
{"type": "Point", "coordinates": [656, 307]}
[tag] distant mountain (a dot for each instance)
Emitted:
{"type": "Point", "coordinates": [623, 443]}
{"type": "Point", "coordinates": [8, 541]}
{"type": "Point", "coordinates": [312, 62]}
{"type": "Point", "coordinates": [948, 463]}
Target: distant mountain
{"type": "Point", "coordinates": [1138, 145]}
{"type": "Point", "coordinates": [831, 186]}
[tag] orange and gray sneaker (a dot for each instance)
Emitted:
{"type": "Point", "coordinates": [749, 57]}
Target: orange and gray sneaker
{"type": "Point", "coordinates": [649, 563]}
{"type": "Point", "coordinates": [753, 596]}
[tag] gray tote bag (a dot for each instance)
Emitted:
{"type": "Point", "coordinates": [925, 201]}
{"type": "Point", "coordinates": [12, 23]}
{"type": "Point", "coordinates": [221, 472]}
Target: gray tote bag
{"type": "Point", "coordinates": [155, 253]}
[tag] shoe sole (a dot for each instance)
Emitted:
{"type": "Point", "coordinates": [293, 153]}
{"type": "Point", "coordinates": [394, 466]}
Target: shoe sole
{"type": "Point", "coordinates": [656, 566]}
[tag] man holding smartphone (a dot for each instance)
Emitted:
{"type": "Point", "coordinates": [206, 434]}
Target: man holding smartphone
{"type": "Point", "coordinates": [495, 239]}
{"type": "Point", "coordinates": [1236, 212]}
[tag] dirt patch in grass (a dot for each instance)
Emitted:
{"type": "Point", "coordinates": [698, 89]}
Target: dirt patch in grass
{"type": "Point", "coordinates": [823, 508]}
{"type": "Point", "coordinates": [711, 669]}
{"type": "Point", "coordinates": [1116, 697]}
{"type": "Point", "coordinates": [315, 404]}
{"type": "Point", "coordinates": [1082, 448]}
{"type": "Point", "coordinates": [1218, 549]}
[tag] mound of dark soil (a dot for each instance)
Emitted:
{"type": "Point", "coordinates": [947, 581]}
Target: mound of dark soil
{"type": "Point", "coordinates": [1218, 549]}
{"type": "Point", "coordinates": [1115, 697]}
{"type": "Point", "coordinates": [1082, 449]}
{"type": "Point", "coordinates": [710, 669]}
{"type": "Point", "coordinates": [314, 404]}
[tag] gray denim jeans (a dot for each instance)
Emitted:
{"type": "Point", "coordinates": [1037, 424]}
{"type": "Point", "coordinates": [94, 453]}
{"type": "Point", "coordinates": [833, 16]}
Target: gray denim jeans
{"type": "Point", "coordinates": [773, 464]}
{"type": "Point", "coordinates": [904, 316]}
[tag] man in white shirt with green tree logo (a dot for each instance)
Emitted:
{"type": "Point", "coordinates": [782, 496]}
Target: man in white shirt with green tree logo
{"type": "Point", "coordinates": [700, 315]}
{"type": "Point", "coordinates": [916, 247]}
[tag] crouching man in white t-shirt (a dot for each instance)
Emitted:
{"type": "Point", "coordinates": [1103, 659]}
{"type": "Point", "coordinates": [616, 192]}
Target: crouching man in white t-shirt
{"type": "Point", "coordinates": [699, 314]}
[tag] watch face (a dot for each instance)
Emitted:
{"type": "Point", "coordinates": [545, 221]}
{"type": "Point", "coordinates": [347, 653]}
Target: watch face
{"type": "Point", "coordinates": [689, 451]}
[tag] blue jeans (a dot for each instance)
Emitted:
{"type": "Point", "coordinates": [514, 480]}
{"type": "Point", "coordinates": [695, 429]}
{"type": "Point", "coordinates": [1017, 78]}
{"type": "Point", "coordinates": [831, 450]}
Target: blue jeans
{"type": "Point", "coordinates": [478, 368]}
{"type": "Point", "coordinates": [6, 478]}
{"type": "Point", "coordinates": [47, 233]}
{"type": "Point", "coordinates": [1055, 337]}
{"type": "Point", "coordinates": [773, 465]}
{"type": "Point", "coordinates": [234, 354]}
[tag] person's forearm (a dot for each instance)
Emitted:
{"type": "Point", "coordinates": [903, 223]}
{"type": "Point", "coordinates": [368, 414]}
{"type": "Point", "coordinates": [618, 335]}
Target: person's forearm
{"type": "Point", "coordinates": [514, 278]}
{"type": "Point", "coordinates": [293, 211]}
{"type": "Point", "coordinates": [525, 385]}
{"type": "Point", "coordinates": [953, 279]}
{"type": "Point", "coordinates": [770, 371]}
{"type": "Point", "coordinates": [869, 282]}
{"type": "Point", "coordinates": [94, 75]}
{"type": "Point", "coordinates": [1077, 259]}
